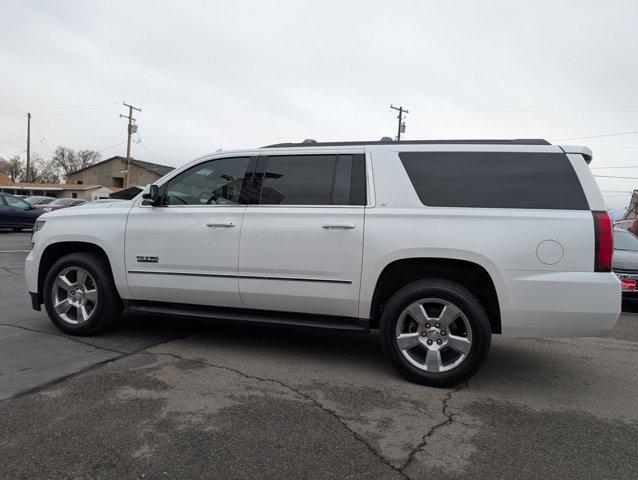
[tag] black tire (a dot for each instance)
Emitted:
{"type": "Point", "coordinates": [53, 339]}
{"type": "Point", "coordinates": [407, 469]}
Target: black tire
{"type": "Point", "coordinates": [17, 229]}
{"type": "Point", "coordinates": [107, 309]}
{"type": "Point", "coordinates": [460, 297]}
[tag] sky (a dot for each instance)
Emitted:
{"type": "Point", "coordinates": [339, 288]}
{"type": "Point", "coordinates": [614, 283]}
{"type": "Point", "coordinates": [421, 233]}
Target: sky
{"type": "Point", "coordinates": [242, 74]}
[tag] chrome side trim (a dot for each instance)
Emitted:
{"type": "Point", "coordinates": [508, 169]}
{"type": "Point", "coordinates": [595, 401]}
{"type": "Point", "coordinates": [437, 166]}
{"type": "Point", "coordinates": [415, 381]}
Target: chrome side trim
{"type": "Point", "coordinates": [295, 279]}
{"type": "Point", "coordinates": [248, 277]}
{"type": "Point", "coordinates": [182, 274]}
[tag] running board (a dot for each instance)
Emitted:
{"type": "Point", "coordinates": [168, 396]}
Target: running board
{"type": "Point", "coordinates": [327, 322]}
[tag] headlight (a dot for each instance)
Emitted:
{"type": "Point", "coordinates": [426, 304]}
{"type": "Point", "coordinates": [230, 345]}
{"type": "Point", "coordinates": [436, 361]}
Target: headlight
{"type": "Point", "coordinates": [38, 225]}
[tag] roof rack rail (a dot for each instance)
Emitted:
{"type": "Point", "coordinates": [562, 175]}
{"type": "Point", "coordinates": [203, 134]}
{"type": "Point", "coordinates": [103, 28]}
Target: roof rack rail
{"type": "Point", "coordinates": [388, 140]}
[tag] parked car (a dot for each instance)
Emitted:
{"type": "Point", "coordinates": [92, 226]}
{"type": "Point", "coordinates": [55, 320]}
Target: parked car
{"type": "Point", "coordinates": [59, 203]}
{"type": "Point", "coordinates": [352, 236]}
{"type": "Point", "coordinates": [630, 225]}
{"type": "Point", "coordinates": [625, 263]}
{"type": "Point", "coordinates": [16, 214]}
{"type": "Point", "coordinates": [39, 200]}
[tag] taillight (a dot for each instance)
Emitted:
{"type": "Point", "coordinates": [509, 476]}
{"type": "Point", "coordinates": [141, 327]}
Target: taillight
{"type": "Point", "coordinates": [628, 285]}
{"type": "Point", "coordinates": [604, 248]}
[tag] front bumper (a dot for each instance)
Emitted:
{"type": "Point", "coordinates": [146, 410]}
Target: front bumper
{"type": "Point", "coordinates": [31, 278]}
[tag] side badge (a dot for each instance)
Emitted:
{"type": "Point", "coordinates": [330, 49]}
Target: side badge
{"type": "Point", "coordinates": [147, 259]}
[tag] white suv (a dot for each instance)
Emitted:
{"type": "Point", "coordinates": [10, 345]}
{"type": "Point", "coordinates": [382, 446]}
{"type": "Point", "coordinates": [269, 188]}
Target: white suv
{"type": "Point", "coordinates": [438, 244]}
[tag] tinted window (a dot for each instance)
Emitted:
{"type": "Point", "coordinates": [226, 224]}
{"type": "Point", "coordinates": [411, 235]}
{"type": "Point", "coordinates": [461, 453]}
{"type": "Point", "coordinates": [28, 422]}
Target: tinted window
{"type": "Point", "coordinates": [217, 182]}
{"type": "Point", "coordinates": [624, 240]}
{"type": "Point", "coordinates": [298, 180]}
{"type": "Point", "coordinates": [494, 180]}
{"type": "Point", "coordinates": [314, 180]}
{"type": "Point", "coordinates": [15, 202]}
{"type": "Point", "coordinates": [62, 201]}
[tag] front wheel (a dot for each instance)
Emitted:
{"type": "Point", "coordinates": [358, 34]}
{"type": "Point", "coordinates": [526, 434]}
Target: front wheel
{"type": "Point", "coordinates": [435, 332]}
{"type": "Point", "coordinates": [80, 296]}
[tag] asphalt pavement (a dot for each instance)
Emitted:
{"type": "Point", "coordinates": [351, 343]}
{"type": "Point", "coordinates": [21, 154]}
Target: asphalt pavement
{"type": "Point", "coordinates": [159, 398]}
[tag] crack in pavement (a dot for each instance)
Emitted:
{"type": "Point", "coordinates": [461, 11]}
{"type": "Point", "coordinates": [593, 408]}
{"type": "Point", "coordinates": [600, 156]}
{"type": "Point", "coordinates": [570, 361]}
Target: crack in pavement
{"type": "Point", "coordinates": [56, 381]}
{"type": "Point", "coordinates": [449, 419]}
{"type": "Point", "coordinates": [308, 397]}
{"type": "Point", "coordinates": [145, 350]}
{"type": "Point", "coordinates": [73, 339]}
{"type": "Point", "coordinates": [11, 272]}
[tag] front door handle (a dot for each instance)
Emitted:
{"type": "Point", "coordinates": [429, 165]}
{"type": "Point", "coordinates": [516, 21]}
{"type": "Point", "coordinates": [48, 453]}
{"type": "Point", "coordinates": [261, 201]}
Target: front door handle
{"type": "Point", "coordinates": [221, 223]}
{"type": "Point", "coordinates": [339, 226]}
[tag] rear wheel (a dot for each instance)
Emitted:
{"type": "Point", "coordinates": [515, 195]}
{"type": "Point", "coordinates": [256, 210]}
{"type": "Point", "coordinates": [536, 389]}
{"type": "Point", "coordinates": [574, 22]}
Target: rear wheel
{"type": "Point", "coordinates": [80, 296]}
{"type": "Point", "coordinates": [435, 332]}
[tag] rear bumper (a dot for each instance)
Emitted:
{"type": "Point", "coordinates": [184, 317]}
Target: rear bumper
{"type": "Point", "coordinates": [560, 304]}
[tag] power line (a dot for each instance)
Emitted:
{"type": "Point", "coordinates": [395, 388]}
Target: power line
{"type": "Point", "coordinates": [151, 151]}
{"type": "Point", "coordinates": [11, 133]}
{"type": "Point", "coordinates": [10, 106]}
{"type": "Point", "coordinates": [597, 136]}
{"type": "Point", "coordinates": [112, 146]}
{"type": "Point", "coordinates": [45, 145]}
{"type": "Point", "coordinates": [12, 142]}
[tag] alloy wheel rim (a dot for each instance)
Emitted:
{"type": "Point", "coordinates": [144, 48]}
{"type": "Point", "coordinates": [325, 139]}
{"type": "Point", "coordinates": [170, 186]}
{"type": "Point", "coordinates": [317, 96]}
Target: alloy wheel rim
{"type": "Point", "coordinates": [74, 295]}
{"type": "Point", "coordinates": [434, 335]}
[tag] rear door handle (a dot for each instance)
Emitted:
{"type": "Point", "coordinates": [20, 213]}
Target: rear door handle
{"type": "Point", "coordinates": [221, 223]}
{"type": "Point", "coordinates": [339, 226]}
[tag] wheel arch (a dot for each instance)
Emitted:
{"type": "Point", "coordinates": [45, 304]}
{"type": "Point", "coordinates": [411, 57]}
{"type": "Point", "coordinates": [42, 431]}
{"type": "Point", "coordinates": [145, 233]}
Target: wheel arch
{"type": "Point", "coordinates": [471, 275]}
{"type": "Point", "coordinates": [54, 251]}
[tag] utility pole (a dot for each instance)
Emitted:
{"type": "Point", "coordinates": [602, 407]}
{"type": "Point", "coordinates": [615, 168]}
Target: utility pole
{"type": "Point", "coordinates": [401, 128]}
{"type": "Point", "coordinates": [132, 128]}
{"type": "Point", "coordinates": [28, 173]}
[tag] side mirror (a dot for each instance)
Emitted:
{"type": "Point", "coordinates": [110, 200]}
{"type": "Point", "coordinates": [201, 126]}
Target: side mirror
{"type": "Point", "coordinates": [152, 195]}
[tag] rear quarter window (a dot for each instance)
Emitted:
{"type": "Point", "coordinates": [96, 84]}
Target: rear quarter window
{"type": "Point", "coordinates": [495, 180]}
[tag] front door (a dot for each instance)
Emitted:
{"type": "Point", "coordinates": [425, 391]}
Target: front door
{"type": "Point", "coordinates": [17, 211]}
{"type": "Point", "coordinates": [186, 250]}
{"type": "Point", "coordinates": [302, 243]}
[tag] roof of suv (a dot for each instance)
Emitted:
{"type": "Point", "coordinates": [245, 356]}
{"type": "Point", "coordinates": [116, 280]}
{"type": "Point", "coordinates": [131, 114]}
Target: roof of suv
{"type": "Point", "coordinates": [388, 141]}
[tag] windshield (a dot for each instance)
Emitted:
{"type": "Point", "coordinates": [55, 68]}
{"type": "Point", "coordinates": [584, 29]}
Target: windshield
{"type": "Point", "coordinates": [62, 201]}
{"type": "Point", "coordinates": [624, 240]}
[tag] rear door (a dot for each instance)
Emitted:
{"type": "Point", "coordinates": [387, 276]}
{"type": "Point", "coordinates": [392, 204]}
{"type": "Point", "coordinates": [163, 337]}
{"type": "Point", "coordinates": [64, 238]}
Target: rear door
{"type": "Point", "coordinates": [302, 236]}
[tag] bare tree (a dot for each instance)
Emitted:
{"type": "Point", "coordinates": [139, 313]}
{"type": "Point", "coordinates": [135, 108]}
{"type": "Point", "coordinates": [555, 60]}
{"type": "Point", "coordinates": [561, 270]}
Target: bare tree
{"type": "Point", "coordinates": [43, 171]}
{"type": "Point", "coordinates": [12, 168]}
{"type": "Point", "coordinates": [66, 161]}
